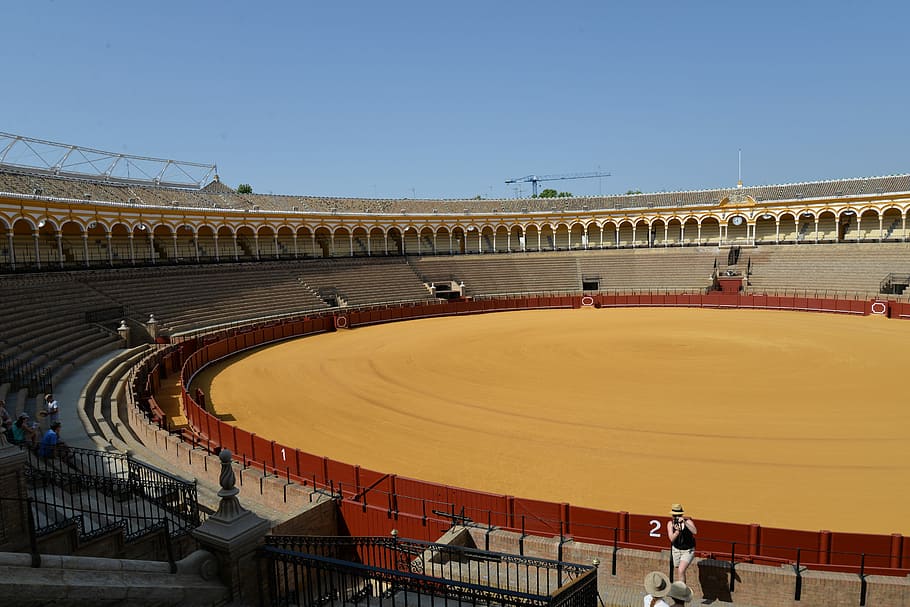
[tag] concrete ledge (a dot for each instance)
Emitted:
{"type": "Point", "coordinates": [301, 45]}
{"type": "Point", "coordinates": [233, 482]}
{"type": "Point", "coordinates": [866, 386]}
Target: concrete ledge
{"type": "Point", "coordinates": [69, 580]}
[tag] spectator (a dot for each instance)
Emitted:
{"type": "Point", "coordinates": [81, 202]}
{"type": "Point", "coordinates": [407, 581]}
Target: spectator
{"type": "Point", "coordinates": [657, 586]}
{"type": "Point", "coordinates": [52, 409]}
{"type": "Point", "coordinates": [51, 446]}
{"type": "Point", "coordinates": [681, 531]}
{"type": "Point", "coordinates": [680, 593]}
{"type": "Point", "coordinates": [24, 432]}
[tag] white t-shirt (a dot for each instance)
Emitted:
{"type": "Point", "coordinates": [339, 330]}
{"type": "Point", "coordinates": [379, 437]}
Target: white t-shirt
{"type": "Point", "coordinates": [659, 603]}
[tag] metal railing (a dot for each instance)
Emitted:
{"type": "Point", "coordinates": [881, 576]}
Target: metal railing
{"type": "Point", "coordinates": [302, 570]}
{"type": "Point", "coordinates": [25, 374]}
{"type": "Point", "coordinates": [109, 489]}
{"type": "Point", "coordinates": [33, 511]}
{"type": "Point", "coordinates": [890, 283]}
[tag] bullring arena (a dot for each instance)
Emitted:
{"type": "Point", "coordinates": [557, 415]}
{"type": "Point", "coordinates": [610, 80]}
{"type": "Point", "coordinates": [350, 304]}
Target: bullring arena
{"type": "Point", "coordinates": [539, 379]}
{"type": "Point", "coordinates": [615, 409]}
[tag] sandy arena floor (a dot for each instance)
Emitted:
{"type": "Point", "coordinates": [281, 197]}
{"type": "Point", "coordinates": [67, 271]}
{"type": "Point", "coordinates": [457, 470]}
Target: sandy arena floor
{"type": "Point", "coordinates": [787, 419]}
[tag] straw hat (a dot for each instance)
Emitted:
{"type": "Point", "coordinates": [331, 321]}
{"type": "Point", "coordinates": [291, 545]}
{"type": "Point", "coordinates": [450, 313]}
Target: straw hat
{"type": "Point", "coordinates": [657, 584]}
{"type": "Point", "coordinates": [680, 592]}
{"type": "Point", "coordinates": [677, 510]}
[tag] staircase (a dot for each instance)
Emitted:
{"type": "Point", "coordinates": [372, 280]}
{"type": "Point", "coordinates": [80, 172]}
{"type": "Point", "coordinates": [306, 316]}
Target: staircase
{"type": "Point", "coordinates": [83, 499]}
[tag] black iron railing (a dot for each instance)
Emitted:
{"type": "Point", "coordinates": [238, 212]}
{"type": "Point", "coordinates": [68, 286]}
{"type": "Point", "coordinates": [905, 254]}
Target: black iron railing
{"type": "Point", "coordinates": [101, 490]}
{"type": "Point", "coordinates": [894, 284]}
{"type": "Point", "coordinates": [33, 509]}
{"type": "Point", "coordinates": [333, 570]}
{"type": "Point", "coordinates": [25, 374]}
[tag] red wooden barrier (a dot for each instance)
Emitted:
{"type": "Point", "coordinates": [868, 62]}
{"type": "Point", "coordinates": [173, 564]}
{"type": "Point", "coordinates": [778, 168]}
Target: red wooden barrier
{"type": "Point", "coordinates": [876, 547]}
{"type": "Point", "coordinates": [783, 543]}
{"type": "Point", "coordinates": [311, 467]}
{"type": "Point", "coordinates": [591, 524]}
{"type": "Point", "coordinates": [717, 537]}
{"type": "Point", "coordinates": [243, 443]}
{"type": "Point", "coordinates": [341, 473]}
{"type": "Point", "coordinates": [262, 452]}
{"type": "Point", "coordinates": [645, 530]}
{"type": "Point", "coordinates": [483, 508]}
{"type": "Point", "coordinates": [539, 516]}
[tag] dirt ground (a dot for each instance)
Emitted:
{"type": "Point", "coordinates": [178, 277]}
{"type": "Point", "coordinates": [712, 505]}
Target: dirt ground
{"type": "Point", "coordinates": [787, 419]}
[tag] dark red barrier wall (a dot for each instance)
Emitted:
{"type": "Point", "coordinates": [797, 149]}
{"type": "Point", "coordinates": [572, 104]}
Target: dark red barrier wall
{"type": "Point", "coordinates": [375, 503]}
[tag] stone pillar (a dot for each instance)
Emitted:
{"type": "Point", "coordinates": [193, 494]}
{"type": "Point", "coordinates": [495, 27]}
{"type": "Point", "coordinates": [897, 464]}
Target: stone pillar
{"type": "Point", "coordinates": [36, 237]}
{"type": "Point", "coordinates": [124, 332]}
{"type": "Point", "coordinates": [152, 326]}
{"type": "Point", "coordinates": [59, 238]}
{"type": "Point", "coordinates": [233, 534]}
{"type": "Point", "coordinates": [13, 514]}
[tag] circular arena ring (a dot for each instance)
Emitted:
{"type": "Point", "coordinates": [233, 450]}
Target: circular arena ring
{"type": "Point", "coordinates": [755, 416]}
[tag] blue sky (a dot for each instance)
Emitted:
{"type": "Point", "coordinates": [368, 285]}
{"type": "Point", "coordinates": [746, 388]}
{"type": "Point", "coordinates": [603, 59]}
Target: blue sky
{"type": "Point", "coordinates": [447, 100]}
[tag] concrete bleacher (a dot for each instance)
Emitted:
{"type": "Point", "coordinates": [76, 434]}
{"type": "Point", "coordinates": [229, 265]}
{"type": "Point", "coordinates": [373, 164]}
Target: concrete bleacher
{"type": "Point", "coordinates": [365, 281]}
{"type": "Point", "coordinates": [182, 298]}
{"type": "Point", "coordinates": [655, 268]}
{"type": "Point", "coordinates": [846, 268]}
{"type": "Point", "coordinates": [46, 326]}
{"type": "Point", "coordinates": [500, 274]}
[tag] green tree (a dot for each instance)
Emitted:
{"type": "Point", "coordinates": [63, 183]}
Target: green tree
{"type": "Point", "coordinates": [551, 193]}
{"type": "Point", "coordinates": [629, 192]}
{"type": "Point", "coordinates": [244, 188]}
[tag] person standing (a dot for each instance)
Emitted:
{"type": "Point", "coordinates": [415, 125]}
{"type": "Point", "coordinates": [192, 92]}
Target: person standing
{"type": "Point", "coordinates": [657, 586]}
{"type": "Point", "coordinates": [681, 531]}
{"type": "Point", "coordinates": [51, 408]}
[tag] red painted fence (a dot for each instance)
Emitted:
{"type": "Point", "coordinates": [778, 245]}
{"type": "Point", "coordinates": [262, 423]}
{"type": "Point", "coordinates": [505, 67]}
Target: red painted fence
{"type": "Point", "coordinates": [374, 503]}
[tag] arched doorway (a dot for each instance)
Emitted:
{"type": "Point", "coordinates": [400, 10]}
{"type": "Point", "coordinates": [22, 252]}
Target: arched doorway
{"type": "Point", "coordinates": [121, 252]}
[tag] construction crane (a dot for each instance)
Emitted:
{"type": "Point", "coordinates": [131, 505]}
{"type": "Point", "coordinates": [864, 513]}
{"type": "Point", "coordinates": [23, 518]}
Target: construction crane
{"type": "Point", "coordinates": [534, 179]}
